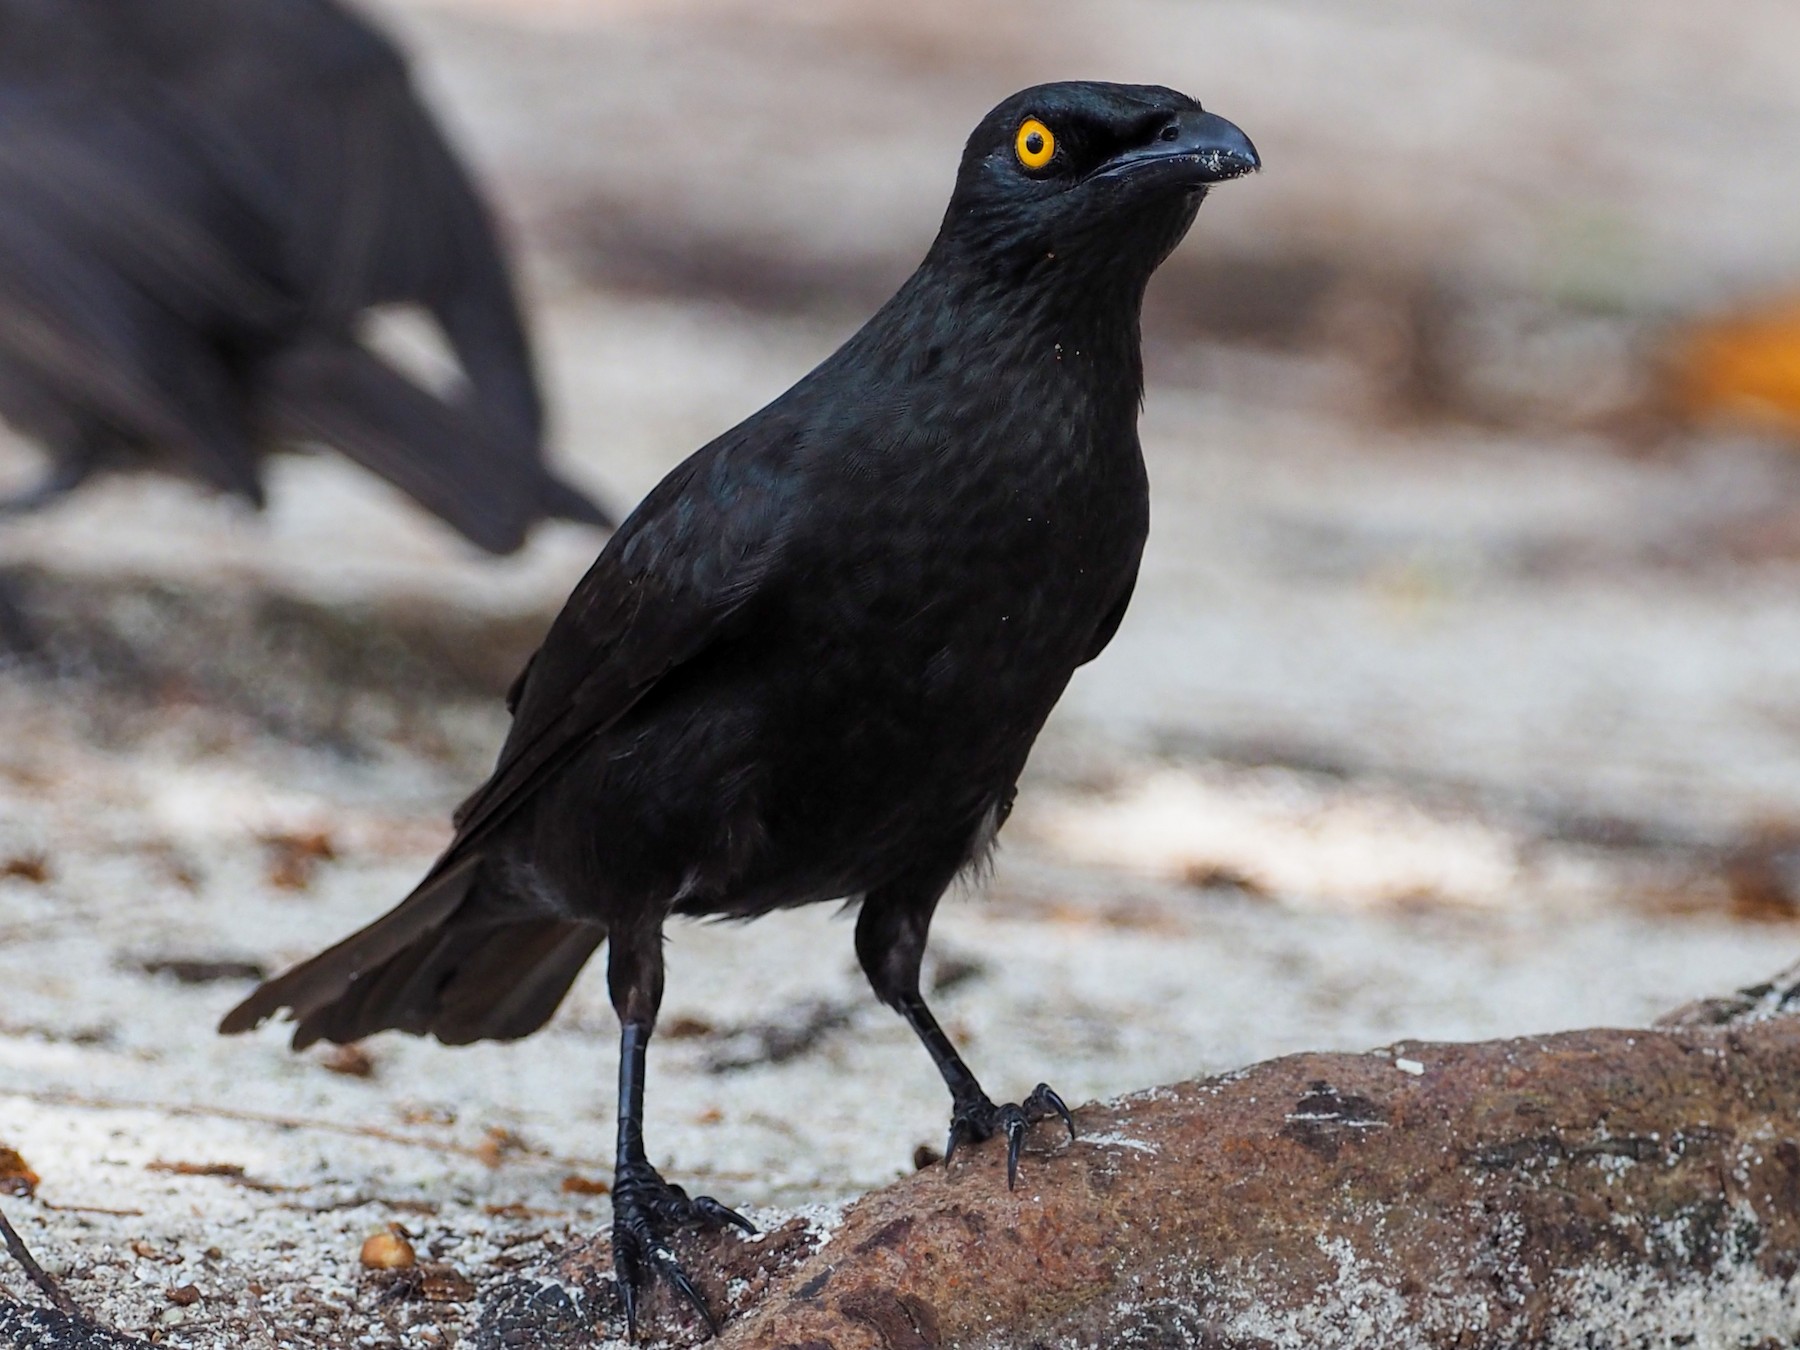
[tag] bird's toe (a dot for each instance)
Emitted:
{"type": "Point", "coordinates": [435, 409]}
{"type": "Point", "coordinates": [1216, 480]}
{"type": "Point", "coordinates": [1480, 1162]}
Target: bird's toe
{"type": "Point", "coordinates": [711, 1215]}
{"type": "Point", "coordinates": [1044, 1102]}
{"type": "Point", "coordinates": [977, 1119]}
{"type": "Point", "coordinates": [646, 1211]}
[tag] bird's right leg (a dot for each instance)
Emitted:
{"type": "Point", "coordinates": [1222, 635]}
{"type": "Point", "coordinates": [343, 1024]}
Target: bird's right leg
{"type": "Point", "coordinates": [891, 933]}
{"type": "Point", "coordinates": [647, 1209]}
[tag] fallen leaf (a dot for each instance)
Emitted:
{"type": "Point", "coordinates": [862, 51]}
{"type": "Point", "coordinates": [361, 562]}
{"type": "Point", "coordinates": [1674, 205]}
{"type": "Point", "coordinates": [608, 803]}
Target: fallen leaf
{"type": "Point", "coordinates": [497, 1144]}
{"type": "Point", "coordinates": [574, 1185]}
{"type": "Point", "coordinates": [293, 858]}
{"type": "Point", "coordinates": [1744, 366]}
{"type": "Point", "coordinates": [16, 1176]}
{"type": "Point", "coordinates": [32, 867]}
{"type": "Point", "coordinates": [350, 1060]}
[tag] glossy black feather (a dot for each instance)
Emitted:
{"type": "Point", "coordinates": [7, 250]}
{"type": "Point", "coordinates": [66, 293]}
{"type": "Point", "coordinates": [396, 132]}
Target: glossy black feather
{"type": "Point", "coordinates": [812, 663]}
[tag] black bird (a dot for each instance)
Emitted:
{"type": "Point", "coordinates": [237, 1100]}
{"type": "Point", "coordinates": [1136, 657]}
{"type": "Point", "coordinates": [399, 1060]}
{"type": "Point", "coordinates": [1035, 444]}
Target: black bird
{"type": "Point", "coordinates": [199, 201]}
{"type": "Point", "coordinates": [812, 663]}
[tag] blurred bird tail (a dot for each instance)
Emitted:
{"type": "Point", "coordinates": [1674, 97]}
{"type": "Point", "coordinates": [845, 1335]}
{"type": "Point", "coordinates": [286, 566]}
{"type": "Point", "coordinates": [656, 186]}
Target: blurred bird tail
{"type": "Point", "coordinates": [559, 501]}
{"type": "Point", "coordinates": [443, 457]}
{"type": "Point", "coordinates": [440, 963]}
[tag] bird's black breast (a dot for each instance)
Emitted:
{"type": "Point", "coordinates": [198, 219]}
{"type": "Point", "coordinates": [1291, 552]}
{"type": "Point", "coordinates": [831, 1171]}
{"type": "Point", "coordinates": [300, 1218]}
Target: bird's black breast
{"type": "Point", "coordinates": [952, 568]}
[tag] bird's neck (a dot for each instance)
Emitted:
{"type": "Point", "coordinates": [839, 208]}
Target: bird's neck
{"type": "Point", "coordinates": [1041, 314]}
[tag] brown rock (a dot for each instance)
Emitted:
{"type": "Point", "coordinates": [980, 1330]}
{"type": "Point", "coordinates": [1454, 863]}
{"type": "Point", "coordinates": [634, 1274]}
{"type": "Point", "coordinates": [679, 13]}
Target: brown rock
{"type": "Point", "coordinates": [1626, 1182]}
{"type": "Point", "coordinates": [1593, 1187]}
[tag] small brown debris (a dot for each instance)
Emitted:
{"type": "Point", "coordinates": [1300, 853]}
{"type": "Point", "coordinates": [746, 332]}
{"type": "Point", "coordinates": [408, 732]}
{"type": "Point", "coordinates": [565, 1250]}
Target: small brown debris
{"type": "Point", "coordinates": [16, 1175]}
{"type": "Point", "coordinates": [519, 1211]}
{"type": "Point", "coordinates": [574, 1185]}
{"type": "Point", "coordinates": [147, 1251]}
{"type": "Point", "coordinates": [712, 1115]}
{"type": "Point", "coordinates": [445, 1284]}
{"type": "Point", "coordinates": [1762, 874]}
{"type": "Point", "coordinates": [414, 1114]}
{"type": "Point", "coordinates": [202, 970]}
{"type": "Point", "coordinates": [350, 1060]}
{"type": "Point", "coordinates": [32, 867]}
{"type": "Point", "coordinates": [926, 1156]}
{"type": "Point", "coordinates": [498, 1142]}
{"type": "Point", "coordinates": [1211, 876]}
{"type": "Point", "coordinates": [183, 1295]}
{"type": "Point", "coordinates": [684, 1028]}
{"type": "Point", "coordinates": [192, 1169]}
{"type": "Point", "coordinates": [232, 1172]}
{"type": "Point", "coordinates": [295, 857]}
{"type": "Point", "coordinates": [388, 1250]}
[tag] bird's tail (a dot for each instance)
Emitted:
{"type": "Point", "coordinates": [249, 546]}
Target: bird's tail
{"type": "Point", "coordinates": [559, 501]}
{"type": "Point", "coordinates": [442, 456]}
{"type": "Point", "coordinates": [440, 963]}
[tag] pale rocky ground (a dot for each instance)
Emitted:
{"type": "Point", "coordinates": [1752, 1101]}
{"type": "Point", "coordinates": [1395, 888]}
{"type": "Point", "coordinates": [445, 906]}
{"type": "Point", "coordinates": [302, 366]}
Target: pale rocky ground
{"type": "Point", "coordinates": [1417, 728]}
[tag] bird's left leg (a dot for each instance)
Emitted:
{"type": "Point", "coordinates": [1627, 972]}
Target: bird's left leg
{"type": "Point", "coordinates": [647, 1209]}
{"type": "Point", "coordinates": [891, 933]}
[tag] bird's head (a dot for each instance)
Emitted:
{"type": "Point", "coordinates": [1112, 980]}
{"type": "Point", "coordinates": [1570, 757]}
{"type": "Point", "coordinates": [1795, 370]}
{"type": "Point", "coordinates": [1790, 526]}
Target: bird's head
{"type": "Point", "coordinates": [1103, 176]}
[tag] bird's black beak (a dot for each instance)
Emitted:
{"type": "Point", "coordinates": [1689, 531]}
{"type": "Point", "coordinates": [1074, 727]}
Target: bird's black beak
{"type": "Point", "coordinates": [1193, 148]}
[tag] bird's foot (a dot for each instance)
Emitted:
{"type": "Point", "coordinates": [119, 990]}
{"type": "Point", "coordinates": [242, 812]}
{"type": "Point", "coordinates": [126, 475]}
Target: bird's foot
{"type": "Point", "coordinates": [646, 1211]}
{"type": "Point", "coordinates": [975, 1118]}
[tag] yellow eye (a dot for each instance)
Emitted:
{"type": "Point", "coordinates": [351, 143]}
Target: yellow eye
{"type": "Point", "coordinates": [1034, 145]}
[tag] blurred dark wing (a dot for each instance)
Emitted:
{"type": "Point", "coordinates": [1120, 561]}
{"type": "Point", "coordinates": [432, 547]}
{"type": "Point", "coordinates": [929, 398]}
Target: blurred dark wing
{"type": "Point", "coordinates": [321, 104]}
{"type": "Point", "coordinates": [123, 259]}
{"type": "Point", "coordinates": [686, 572]}
{"type": "Point", "coordinates": [330, 390]}
{"type": "Point", "coordinates": [322, 117]}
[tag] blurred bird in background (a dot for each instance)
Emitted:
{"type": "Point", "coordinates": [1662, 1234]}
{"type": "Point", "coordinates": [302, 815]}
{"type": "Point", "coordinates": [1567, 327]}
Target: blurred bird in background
{"type": "Point", "coordinates": [199, 202]}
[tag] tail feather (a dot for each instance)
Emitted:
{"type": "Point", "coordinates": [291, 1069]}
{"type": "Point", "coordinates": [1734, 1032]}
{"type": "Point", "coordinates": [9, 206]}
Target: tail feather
{"type": "Point", "coordinates": [443, 964]}
{"type": "Point", "coordinates": [328, 977]}
{"type": "Point", "coordinates": [511, 986]}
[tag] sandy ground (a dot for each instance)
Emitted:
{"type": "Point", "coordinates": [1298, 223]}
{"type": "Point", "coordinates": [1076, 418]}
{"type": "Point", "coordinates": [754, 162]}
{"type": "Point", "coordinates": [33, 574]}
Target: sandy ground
{"type": "Point", "coordinates": [1414, 730]}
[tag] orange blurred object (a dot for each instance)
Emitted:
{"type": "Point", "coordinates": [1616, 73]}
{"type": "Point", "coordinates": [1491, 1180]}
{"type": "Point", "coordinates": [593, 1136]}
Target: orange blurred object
{"type": "Point", "coordinates": [1745, 367]}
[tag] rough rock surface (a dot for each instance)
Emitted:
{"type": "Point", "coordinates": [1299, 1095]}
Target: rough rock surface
{"type": "Point", "coordinates": [23, 1328]}
{"type": "Point", "coordinates": [1602, 1186]}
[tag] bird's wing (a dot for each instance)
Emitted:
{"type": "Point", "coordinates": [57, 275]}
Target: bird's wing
{"type": "Point", "coordinates": [683, 573]}
{"type": "Point", "coordinates": [329, 389]}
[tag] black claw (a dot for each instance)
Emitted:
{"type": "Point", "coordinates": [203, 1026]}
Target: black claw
{"type": "Point", "coordinates": [645, 1209]}
{"type": "Point", "coordinates": [977, 1119]}
{"type": "Point", "coordinates": [715, 1215]}
{"type": "Point", "coordinates": [670, 1269]}
{"type": "Point", "coordinates": [627, 1291]}
{"type": "Point", "coordinates": [1044, 1102]}
{"type": "Point", "coordinates": [1013, 1120]}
